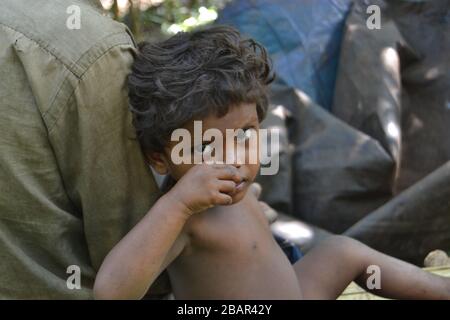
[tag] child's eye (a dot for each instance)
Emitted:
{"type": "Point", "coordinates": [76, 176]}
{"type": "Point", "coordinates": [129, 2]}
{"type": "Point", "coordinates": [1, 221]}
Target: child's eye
{"type": "Point", "coordinates": [244, 135]}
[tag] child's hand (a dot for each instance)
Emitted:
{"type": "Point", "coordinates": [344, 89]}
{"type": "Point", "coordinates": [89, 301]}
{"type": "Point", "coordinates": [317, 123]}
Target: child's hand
{"type": "Point", "coordinates": [205, 186]}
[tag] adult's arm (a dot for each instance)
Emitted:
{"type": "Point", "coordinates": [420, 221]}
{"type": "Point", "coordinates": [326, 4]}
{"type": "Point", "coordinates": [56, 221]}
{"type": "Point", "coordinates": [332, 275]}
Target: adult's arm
{"type": "Point", "coordinates": [99, 158]}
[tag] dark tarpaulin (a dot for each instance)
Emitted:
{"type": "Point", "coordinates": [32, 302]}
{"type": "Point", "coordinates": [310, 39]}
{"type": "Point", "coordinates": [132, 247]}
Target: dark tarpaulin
{"type": "Point", "coordinates": [326, 166]}
{"type": "Point", "coordinates": [413, 223]}
{"type": "Point", "coordinates": [299, 35]}
{"type": "Point", "coordinates": [389, 125]}
{"type": "Point", "coordinates": [393, 84]}
{"type": "Point", "coordinates": [340, 174]}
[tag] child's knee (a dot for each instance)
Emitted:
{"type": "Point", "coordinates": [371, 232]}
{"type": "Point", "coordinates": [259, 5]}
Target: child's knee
{"type": "Point", "coordinates": [344, 246]}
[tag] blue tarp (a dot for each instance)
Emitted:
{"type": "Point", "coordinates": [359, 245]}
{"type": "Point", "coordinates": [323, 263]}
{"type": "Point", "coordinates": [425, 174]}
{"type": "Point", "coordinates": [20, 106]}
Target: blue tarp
{"type": "Point", "coordinates": [303, 38]}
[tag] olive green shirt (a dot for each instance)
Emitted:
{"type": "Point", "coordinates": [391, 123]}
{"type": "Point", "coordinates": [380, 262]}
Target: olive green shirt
{"type": "Point", "coordinates": [72, 178]}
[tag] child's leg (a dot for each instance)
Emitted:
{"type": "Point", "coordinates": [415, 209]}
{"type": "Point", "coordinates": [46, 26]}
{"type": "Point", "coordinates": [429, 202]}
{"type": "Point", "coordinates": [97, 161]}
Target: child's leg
{"type": "Point", "coordinates": [325, 271]}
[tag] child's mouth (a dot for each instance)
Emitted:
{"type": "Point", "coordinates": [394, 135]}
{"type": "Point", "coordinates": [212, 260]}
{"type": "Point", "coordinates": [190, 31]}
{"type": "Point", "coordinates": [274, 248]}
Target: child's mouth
{"type": "Point", "coordinates": [240, 186]}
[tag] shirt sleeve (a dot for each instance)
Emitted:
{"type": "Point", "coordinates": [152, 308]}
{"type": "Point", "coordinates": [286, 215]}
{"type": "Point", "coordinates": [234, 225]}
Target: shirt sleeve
{"type": "Point", "coordinates": [100, 160]}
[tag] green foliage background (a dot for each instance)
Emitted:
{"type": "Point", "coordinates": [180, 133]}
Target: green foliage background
{"type": "Point", "coordinates": [163, 19]}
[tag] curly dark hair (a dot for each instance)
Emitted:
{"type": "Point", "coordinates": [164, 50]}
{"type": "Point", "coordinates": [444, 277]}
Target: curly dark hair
{"type": "Point", "coordinates": [193, 75]}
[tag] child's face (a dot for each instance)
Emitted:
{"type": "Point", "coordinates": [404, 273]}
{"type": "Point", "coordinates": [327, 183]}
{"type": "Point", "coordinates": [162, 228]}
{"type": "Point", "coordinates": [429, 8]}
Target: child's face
{"type": "Point", "coordinates": [244, 117]}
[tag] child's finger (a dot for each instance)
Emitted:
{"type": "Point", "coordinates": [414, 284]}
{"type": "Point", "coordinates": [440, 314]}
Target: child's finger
{"type": "Point", "coordinates": [256, 188]}
{"type": "Point", "coordinates": [223, 199]}
{"type": "Point", "coordinates": [228, 172]}
{"type": "Point", "coordinates": [227, 186]}
{"type": "Point", "coordinates": [270, 213]}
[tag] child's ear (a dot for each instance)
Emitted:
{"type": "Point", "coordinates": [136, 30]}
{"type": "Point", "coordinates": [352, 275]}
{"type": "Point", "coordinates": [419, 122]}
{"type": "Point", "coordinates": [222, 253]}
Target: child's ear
{"type": "Point", "coordinates": [158, 162]}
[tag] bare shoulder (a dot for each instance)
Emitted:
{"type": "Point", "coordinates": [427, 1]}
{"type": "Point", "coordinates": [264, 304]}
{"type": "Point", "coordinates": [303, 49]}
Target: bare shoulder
{"type": "Point", "coordinates": [221, 222]}
{"type": "Point", "coordinates": [249, 205]}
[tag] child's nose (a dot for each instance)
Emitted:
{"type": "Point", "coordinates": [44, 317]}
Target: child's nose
{"type": "Point", "coordinates": [235, 155]}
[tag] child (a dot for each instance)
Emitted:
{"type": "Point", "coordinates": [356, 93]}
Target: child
{"type": "Point", "coordinates": [207, 230]}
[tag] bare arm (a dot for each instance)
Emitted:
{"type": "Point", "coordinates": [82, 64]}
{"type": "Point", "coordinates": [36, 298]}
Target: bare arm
{"type": "Point", "coordinates": [136, 261]}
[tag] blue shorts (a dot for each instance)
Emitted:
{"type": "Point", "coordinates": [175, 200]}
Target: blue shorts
{"type": "Point", "coordinates": [292, 252]}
